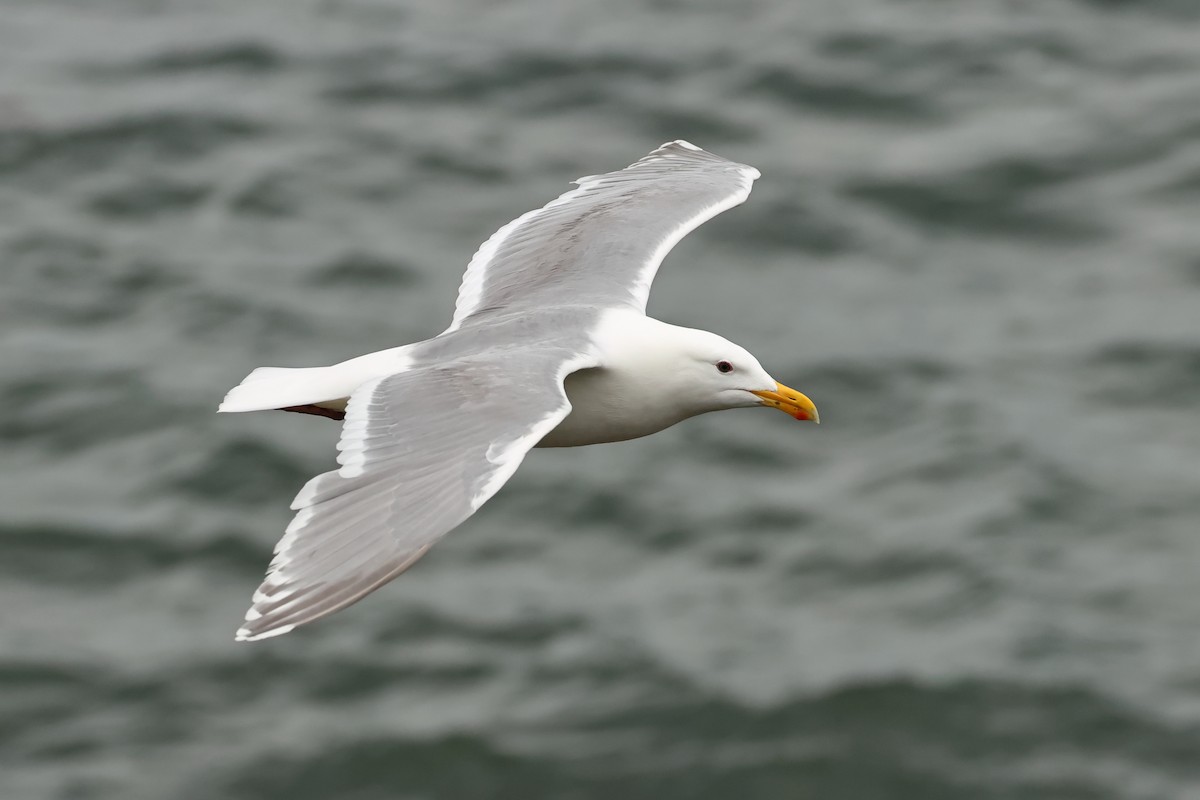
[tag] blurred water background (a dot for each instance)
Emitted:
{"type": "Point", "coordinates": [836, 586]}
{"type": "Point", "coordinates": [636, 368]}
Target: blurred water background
{"type": "Point", "coordinates": [976, 245]}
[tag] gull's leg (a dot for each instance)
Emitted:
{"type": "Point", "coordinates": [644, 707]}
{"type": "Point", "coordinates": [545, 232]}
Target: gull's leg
{"type": "Point", "coordinates": [331, 413]}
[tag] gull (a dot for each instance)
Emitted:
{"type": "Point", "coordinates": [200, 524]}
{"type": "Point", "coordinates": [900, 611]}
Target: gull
{"type": "Point", "coordinates": [549, 346]}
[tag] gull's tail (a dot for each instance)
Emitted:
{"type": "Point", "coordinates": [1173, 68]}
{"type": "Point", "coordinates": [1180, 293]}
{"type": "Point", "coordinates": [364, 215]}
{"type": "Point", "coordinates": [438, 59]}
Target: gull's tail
{"type": "Point", "coordinates": [279, 387]}
{"type": "Point", "coordinates": [329, 387]}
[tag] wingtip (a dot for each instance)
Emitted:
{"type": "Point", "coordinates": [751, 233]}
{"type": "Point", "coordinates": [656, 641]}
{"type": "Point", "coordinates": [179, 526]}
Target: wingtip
{"type": "Point", "coordinates": [244, 634]}
{"type": "Point", "coordinates": [749, 171]}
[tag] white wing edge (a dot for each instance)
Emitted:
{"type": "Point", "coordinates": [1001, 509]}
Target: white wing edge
{"type": "Point", "coordinates": [650, 267]}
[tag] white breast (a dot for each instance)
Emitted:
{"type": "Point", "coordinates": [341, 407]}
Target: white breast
{"type": "Point", "coordinates": [636, 392]}
{"type": "Point", "coordinates": [612, 405]}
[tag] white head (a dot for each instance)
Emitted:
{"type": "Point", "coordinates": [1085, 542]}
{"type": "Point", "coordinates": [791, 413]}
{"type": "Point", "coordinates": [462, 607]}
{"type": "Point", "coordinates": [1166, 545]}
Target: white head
{"type": "Point", "coordinates": [713, 373]}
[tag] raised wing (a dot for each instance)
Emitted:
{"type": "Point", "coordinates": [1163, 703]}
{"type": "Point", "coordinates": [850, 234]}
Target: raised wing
{"type": "Point", "coordinates": [600, 244]}
{"type": "Point", "coordinates": [420, 452]}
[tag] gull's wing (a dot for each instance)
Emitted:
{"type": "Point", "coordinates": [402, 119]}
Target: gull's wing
{"type": "Point", "coordinates": [420, 452]}
{"type": "Point", "coordinates": [600, 244]}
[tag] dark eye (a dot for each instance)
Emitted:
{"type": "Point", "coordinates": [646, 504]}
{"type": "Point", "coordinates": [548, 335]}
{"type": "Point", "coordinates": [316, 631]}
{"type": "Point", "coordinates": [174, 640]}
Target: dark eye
{"type": "Point", "coordinates": [724, 366]}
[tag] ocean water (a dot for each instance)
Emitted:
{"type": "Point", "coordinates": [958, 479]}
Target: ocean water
{"type": "Point", "coordinates": [976, 245]}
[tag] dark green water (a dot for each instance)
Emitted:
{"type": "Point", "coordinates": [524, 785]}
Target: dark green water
{"type": "Point", "coordinates": [976, 245]}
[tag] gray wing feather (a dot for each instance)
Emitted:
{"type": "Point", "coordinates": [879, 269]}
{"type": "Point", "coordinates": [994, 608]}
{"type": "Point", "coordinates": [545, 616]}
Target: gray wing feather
{"type": "Point", "coordinates": [601, 244]}
{"type": "Point", "coordinates": [420, 452]}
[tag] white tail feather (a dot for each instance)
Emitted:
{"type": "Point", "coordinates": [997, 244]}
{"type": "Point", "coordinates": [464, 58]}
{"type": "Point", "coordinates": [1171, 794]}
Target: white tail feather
{"type": "Point", "coordinates": [279, 387]}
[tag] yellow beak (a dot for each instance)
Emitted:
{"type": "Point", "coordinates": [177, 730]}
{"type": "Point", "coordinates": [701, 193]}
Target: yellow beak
{"type": "Point", "coordinates": [790, 402]}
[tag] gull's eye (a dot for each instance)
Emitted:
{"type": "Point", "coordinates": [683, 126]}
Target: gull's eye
{"type": "Point", "coordinates": [724, 366]}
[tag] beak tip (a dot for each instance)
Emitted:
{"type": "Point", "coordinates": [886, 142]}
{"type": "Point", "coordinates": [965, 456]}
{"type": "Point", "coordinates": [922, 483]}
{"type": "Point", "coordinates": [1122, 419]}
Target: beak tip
{"type": "Point", "coordinates": [793, 403]}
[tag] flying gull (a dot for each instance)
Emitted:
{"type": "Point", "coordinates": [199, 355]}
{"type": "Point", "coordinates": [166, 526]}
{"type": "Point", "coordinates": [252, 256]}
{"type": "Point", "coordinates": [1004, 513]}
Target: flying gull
{"type": "Point", "coordinates": [550, 346]}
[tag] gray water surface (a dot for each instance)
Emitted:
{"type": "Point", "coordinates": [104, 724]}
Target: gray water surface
{"type": "Point", "coordinates": [975, 245]}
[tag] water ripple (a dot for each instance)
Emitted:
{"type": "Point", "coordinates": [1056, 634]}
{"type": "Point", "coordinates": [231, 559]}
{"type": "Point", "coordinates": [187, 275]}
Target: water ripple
{"type": "Point", "coordinates": [165, 137]}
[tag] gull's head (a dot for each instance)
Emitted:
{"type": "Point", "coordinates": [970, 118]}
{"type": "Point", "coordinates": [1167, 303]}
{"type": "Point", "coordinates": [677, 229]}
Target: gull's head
{"type": "Point", "coordinates": [719, 374]}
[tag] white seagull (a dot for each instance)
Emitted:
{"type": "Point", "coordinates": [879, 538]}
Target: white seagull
{"type": "Point", "coordinates": [550, 346]}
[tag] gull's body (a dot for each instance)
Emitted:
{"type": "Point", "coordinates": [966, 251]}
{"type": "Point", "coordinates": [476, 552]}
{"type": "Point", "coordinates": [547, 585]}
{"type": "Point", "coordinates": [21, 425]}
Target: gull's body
{"type": "Point", "coordinates": [549, 346]}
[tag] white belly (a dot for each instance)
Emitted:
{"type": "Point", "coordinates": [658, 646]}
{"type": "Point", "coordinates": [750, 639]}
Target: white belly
{"type": "Point", "coordinates": [607, 406]}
